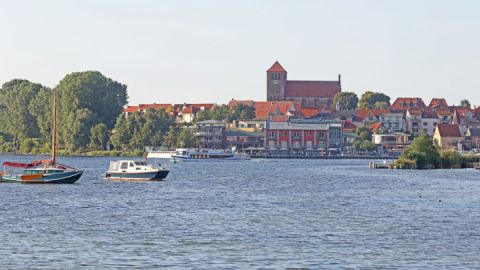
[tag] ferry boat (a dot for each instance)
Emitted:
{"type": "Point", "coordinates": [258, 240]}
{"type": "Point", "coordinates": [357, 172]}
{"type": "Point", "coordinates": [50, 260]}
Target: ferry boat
{"type": "Point", "coordinates": [134, 170]}
{"type": "Point", "coordinates": [44, 171]}
{"type": "Point", "coordinates": [207, 155]}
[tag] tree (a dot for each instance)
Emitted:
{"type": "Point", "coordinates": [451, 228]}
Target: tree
{"type": "Point", "coordinates": [186, 139]}
{"type": "Point", "coordinates": [86, 99]}
{"type": "Point", "coordinates": [99, 136]}
{"type": "Point", "coordinates": [345, 101]}
{"type": "Point", "coordinates": [121, 134]}
{"type": "Point", "coordinates": [465, 104]}
{"type": "Point", "coordinates": [365, 133]}
{"type": "Point", "coordinates": [170, 138]}
{"type": "Point", "coordinates": [381, 105]}
{"type": "Point", "coordinates": [247, 113]}
{"type": "Point", "coordinates": [40, 107]}
{"type": "Point", "coordinates": [369, 100]}
{"type": "Point", "coordinates": [423, 151]}
{"type": "Point", "coordinates": [16, 118]}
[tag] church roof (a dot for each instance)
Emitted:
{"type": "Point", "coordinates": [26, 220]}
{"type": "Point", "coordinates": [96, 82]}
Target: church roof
{"type": "Point", "coordinates": [320, 89]}
{"type": "Point", "coordinates": [276, 67]}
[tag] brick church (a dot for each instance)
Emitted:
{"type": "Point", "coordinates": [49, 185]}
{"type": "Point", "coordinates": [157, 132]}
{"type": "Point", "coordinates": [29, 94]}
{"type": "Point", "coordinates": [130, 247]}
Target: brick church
{"type": "Point", "coordinates": [309, 93]}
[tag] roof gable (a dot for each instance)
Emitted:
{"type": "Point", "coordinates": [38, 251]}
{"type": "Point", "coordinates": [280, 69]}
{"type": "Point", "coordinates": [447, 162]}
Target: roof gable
{"type": "Point", "coordinates": [403, 104]}
{"type": "Point", "coordinates": [449, 130]}
{"type": "Point", "coordinates": [276, 67]}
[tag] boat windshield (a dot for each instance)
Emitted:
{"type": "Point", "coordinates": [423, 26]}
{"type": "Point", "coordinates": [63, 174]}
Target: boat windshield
{"type": "Point", "coordinates": [140, 163]}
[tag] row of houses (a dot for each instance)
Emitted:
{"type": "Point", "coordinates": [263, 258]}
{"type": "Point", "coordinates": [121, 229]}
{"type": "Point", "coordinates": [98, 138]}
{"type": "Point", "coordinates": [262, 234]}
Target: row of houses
{"type": "Point", "coordinates": [183, 113]}
{"type": "Point", "coordinates": [287, 127]}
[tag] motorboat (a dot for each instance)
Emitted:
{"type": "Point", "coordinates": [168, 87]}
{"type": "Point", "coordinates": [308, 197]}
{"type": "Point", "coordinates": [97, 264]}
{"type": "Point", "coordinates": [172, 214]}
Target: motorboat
{"type": "Point", "coordinates": [135, 170]}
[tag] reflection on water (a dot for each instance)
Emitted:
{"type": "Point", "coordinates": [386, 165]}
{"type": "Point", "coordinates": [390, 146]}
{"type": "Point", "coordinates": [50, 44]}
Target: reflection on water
{"type": "Point", "coordinates": [254, 214]}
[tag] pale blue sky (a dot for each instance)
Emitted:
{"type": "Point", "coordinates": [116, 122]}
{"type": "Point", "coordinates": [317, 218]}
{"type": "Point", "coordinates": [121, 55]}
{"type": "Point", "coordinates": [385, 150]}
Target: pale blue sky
{"type": "Point", "coordinates": [212, 51]}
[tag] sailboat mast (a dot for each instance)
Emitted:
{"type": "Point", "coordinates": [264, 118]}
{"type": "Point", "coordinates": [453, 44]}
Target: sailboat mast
{"type": "Point", "coordinates": [54, 129]}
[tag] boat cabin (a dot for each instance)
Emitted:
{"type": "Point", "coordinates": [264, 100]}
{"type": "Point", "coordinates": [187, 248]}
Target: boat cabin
{"type": "Point", "coordinates": [129, 166]}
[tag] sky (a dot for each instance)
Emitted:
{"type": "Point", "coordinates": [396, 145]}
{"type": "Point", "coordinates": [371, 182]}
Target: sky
{"type": "Point", "coordinates": [212, 51]}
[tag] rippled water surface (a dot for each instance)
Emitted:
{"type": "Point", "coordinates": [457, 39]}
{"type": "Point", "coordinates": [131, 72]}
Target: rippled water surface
{"type": "Point", "coordinates": [312, 214]}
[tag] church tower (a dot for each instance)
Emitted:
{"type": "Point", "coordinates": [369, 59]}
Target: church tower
{"type": "Point", "coordinates": [276, 82]}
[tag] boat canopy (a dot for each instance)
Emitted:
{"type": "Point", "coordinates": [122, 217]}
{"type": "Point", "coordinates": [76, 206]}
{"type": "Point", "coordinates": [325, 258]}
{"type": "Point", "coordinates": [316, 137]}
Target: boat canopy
{"type": "Point", "coordinates": [17, 164]}
{"type": "Point", "coordinates": [27, 165]}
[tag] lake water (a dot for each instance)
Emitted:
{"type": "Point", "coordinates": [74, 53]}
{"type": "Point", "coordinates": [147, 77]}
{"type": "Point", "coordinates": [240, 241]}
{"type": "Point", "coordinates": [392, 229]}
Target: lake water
{"type": "Point", "coordinates": [269, 214]}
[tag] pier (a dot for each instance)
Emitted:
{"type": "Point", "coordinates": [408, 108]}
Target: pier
{"type": "Point", "coordinates": [322, 157]}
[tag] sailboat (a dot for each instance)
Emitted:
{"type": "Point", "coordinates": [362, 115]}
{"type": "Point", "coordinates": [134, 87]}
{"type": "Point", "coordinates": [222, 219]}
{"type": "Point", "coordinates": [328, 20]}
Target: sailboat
{"type": "Point", "coordinates": [47, 171]}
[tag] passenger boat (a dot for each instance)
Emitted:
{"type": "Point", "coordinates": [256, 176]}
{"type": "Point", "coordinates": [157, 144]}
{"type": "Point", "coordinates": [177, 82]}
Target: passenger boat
{"type": "Point", "coordinates": [207, 155]}
{"type": "Point", "coordinates": [134, 170]}
{"type": "Point", "coordinates": [43, 171]}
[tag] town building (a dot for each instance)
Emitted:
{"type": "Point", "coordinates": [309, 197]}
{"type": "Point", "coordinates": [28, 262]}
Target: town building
{"type": "Point", "coordinates": [429, 122]}
{"type": "Point", "coordinates": [189, 111]}
{"type": "Point", "coordinates": [303, 136]}
{"type": "Point", "coordinates": [307, 93]}
{"type": "Point", "coordinates": [391, 142]}
{"type": "Point", "coordinates": [211, 134]}
{"type": "Point", "coordinates": [472, 138]}
{"type": "Point", "coordinates": [447, 136]}
{"type": "Point", "coordinates": [413, 120]}
{"type": "Point", "coordinates": [403, 104]}
{"type": "Point", "coordinates": [393, 121]}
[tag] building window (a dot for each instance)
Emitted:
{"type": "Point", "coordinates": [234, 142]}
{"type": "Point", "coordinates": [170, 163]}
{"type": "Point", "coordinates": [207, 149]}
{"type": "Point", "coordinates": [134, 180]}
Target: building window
{"type": "Point", "coordinates": [272, 134]}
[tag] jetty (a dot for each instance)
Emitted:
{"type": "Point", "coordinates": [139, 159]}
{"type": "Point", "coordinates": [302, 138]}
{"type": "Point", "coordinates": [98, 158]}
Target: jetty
{"type": "Point", "coordinates": [379, 165]}
{"type": "Point", "coordinates": [321, 157]}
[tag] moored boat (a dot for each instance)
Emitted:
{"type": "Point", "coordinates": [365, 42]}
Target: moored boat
{"type": "Point", "coordinates": [207, 155]}
{"type": "Point", "coordinates": [160, 154]}
{"type": "Point", "coordinates": [43, 171]}
{"type": "Point", "coordinates": [135, 170]}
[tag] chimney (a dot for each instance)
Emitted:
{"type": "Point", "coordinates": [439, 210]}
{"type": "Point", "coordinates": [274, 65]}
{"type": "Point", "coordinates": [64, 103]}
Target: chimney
{"type": "Point", "coordinates": [340, 82]}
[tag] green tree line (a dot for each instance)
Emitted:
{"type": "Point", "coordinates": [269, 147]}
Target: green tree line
{"type": "Point", "coordinates": [88, 104]}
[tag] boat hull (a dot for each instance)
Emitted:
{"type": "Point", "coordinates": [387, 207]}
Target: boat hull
{"type": "Point", "coordinates": [140, 176]}
{"type": "Point", "coordinates": [56, 178]}
{"type": "Point", "coordinates": [190, 159]}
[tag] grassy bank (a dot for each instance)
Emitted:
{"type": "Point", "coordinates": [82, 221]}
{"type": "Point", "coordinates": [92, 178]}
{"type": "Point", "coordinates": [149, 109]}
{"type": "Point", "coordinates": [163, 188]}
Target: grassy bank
{"type": "Point", "coordinates": [67, 153]}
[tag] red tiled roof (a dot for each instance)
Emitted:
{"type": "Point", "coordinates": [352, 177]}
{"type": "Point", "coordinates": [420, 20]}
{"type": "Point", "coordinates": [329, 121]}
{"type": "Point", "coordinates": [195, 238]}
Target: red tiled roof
{"type": "Point", "coordinates": [206, 106]}
{"type": "Point", "coordinates": [448, 130]}
{"type": "Point", "coordinates": [310, 112]}
{"type": "Point", "coordinates": [376, 126]}
{"type": "Point", "coordinates": [413, 111]}
{"type": "Point", "coordinates": [320, 89]}
{"type": "Point", "coordinates": [276, 67]}
{"type": "Point", "coordinates": [348, 125]}
{"type": "Point", "coordinates": [438, 102]}
{"type": "Point", "coordinates": [261, 114]}
{"type": "Point", "coordinates": [283, 106]}
{"type": "Point", "coordinates": [131, 109]}
{"type": "Point", "coordinates": [403, 104]}
{"type": "Point", "coordinates": [280, 118]}
{"type": "Point", "coordinates": [429, 114]}
{"type": "Point", "coordinates": [187, 109]}
{"type": "Point", "coordinates": [443, 111]}
{"type": "Point", "coordinates": [364, 113]}
{"type": "Point", "coordinates": [155, 106]}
